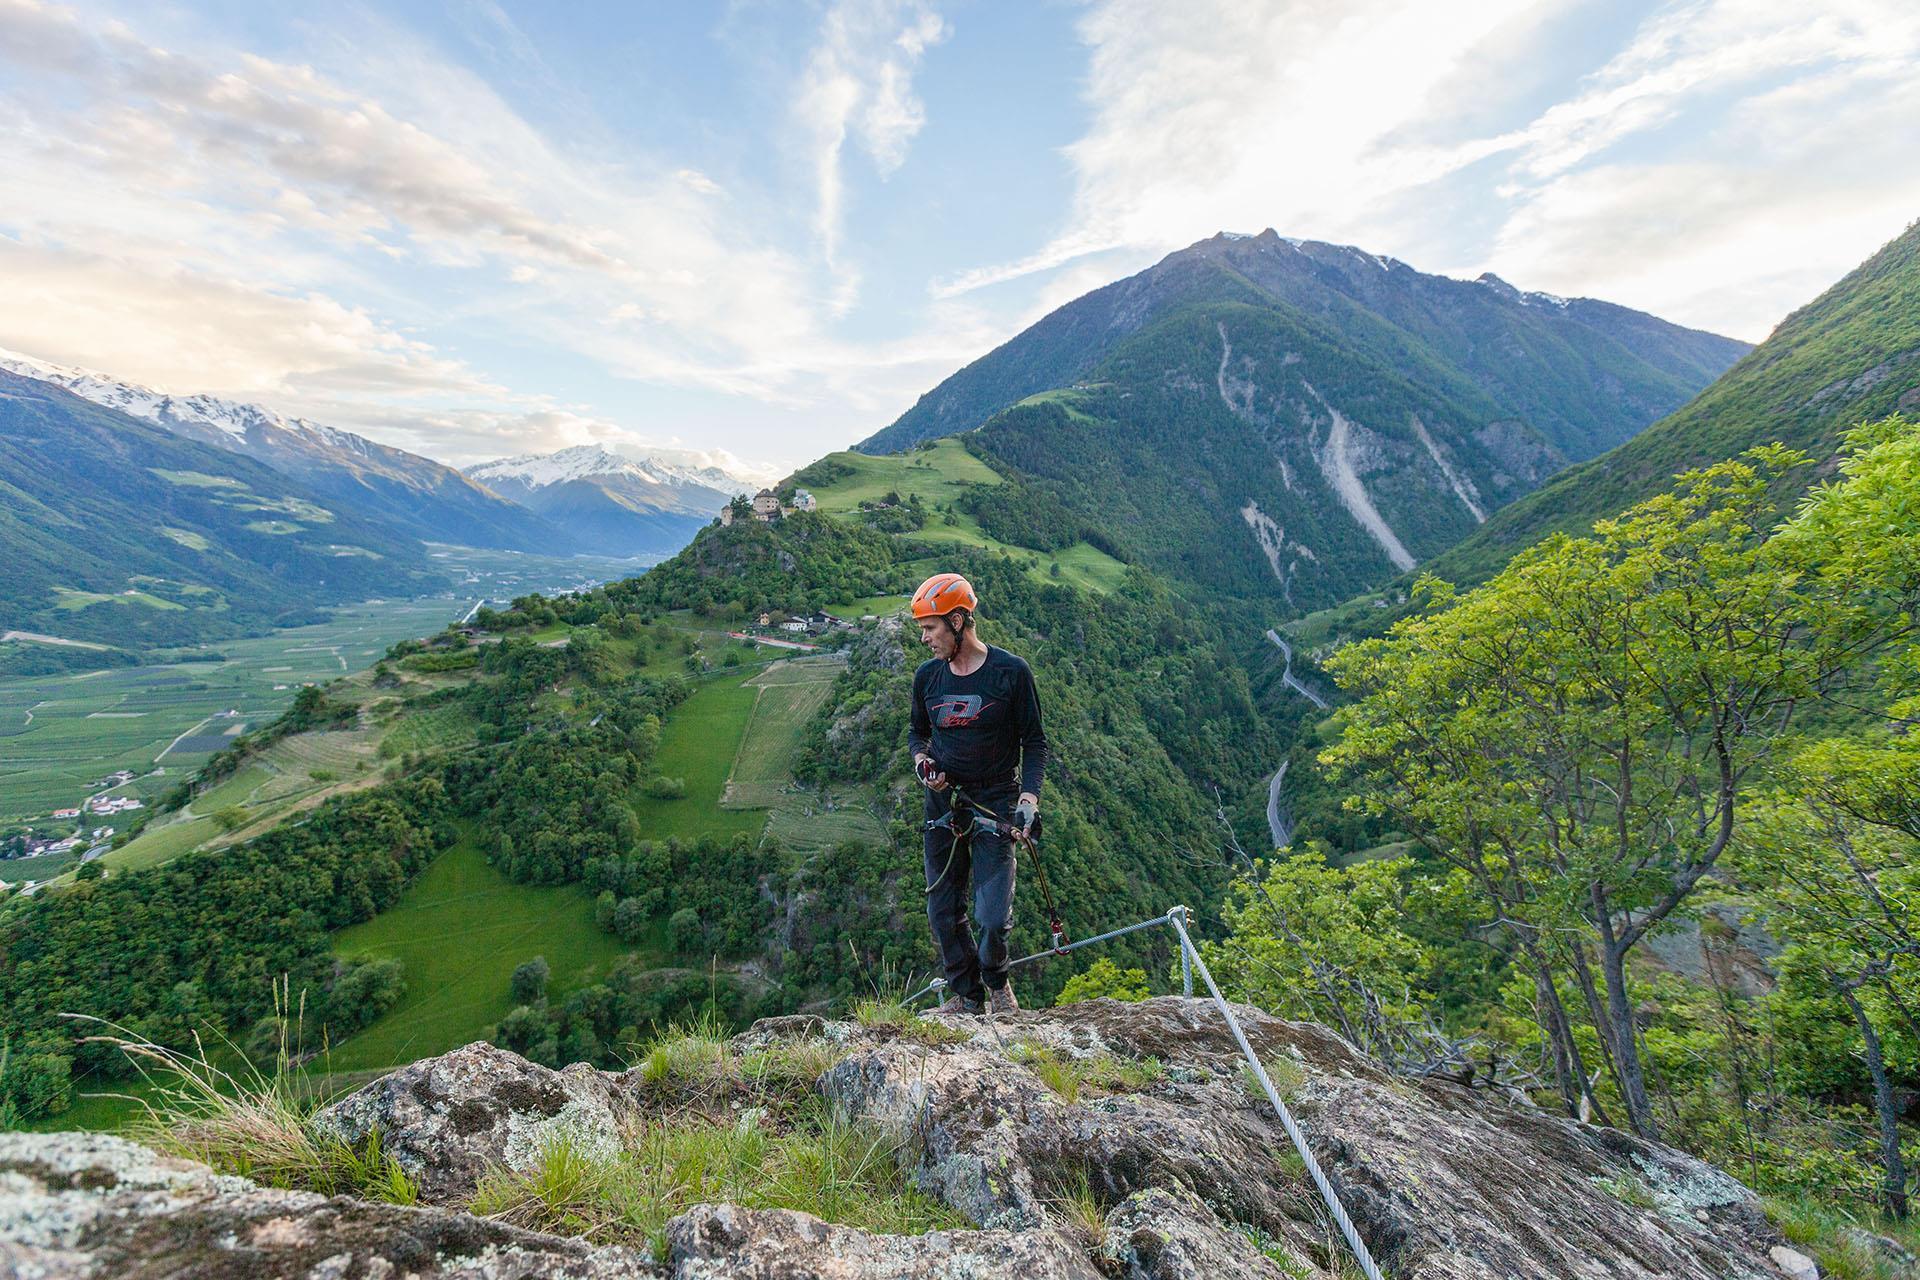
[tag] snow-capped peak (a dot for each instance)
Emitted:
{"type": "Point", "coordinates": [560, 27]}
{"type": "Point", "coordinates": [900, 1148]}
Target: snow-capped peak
{"type": "Point", "coordinates": [140, 401]}
{"type": "Point", "coordinates": [675, 468]}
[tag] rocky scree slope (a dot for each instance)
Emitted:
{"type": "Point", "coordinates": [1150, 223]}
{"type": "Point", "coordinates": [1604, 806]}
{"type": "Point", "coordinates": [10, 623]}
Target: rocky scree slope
{"type": "Point", "coordinates": [1194, 1175]}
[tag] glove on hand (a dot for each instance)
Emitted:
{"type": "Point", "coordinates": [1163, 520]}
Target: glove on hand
{"type": "Point", "coordinates": [1025, 815]}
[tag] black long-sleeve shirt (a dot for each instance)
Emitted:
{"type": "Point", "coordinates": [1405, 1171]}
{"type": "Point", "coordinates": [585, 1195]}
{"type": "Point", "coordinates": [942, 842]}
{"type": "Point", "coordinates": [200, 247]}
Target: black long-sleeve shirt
{"type": "Point", "coordinates": [980, 728]}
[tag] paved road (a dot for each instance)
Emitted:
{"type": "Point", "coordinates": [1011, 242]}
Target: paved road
{"type": "Point", "coordinates": [1288, 678]}
{"type": "Point", "coordinates": [1279, 818]}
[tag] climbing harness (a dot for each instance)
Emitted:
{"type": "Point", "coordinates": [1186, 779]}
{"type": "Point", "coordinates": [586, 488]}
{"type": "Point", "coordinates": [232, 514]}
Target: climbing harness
{"type": "Point", "coordinates": [963, 817]}
{"type": "Point", "coordinates": [1176, 919]}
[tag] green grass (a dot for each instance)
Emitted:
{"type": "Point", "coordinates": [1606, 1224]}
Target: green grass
{"type": "Point", "coordinates": [274, 526]}
{"type": "Point", "coordinates": [789, 695]}
{"type": "Point", "coordinates": [939, 474]}
{"type": "Point", "coordinates": [460, 929]}
{"type": "Point", "coordinates": [71, 600]}
{"type": "Point", "coordinates": [810, 1160]}
{"type": "Point", "coordinates": [878, 606]}
{"type": "Point", "coordinates": [698, 744]}
{"type": "Point", "coordinates": [196, 479]}
{"type": "Point", "coordinates": [160, 844]}
{"type": "Point", "coordinates": [186, 538]}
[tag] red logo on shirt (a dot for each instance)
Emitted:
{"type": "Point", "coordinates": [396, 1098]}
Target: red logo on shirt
{"type": "Point", "coordinates": [956, 711]}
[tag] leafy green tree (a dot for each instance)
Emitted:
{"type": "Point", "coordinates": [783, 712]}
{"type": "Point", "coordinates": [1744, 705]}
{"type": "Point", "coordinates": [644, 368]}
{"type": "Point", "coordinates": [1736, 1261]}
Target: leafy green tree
{"type": "Point", "coordinates": [1104, 978]}
{"type": "Point", "coordinates": [1326, 944]}
{"type": "Point", "coordinates": [685, 931]}
{"type": "Point", "coordinates": [1578, 736]}
{"type": "Point", "coordinates": [529, 982]}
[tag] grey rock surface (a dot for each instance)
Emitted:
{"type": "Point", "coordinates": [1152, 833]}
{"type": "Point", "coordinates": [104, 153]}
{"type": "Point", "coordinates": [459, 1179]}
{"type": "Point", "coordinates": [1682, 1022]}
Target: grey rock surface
{"type": "Point", "coordinates": [725, 1242]}
{"type": "Point", "coordinates": [447, 1120]}
{"type": "Point", "coordinates": [1147, 1115]}
{"type": "Point", "coordinates": [91, 1205]}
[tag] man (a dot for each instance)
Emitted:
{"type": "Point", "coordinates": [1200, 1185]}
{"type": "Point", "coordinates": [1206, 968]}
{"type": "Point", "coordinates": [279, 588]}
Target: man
{"type": "Point", "coordinates": [976, 729]}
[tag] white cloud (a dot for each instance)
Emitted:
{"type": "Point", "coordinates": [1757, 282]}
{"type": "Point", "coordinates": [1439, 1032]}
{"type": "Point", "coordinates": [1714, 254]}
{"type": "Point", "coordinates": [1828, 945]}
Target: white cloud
{"type": "Point", "coordinates": [1723, 139]}
{"type": "Point", "coordinates": [122, 316]}
{"type": "Point", "coordinates": [859, 81]}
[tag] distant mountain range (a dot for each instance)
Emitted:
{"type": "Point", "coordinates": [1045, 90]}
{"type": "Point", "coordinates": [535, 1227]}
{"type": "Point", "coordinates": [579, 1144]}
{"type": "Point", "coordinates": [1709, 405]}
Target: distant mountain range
{"type": "Point", "coordinates": [620, 500]}
{"type": "Point", "coordinates": [1272, 417]}
{"type": "Point", "coordinates": [115, 530]}
{"type": "Point", "coordinates": [1851, 355]}
{"type": "Point", "coordinates": [416, 495]}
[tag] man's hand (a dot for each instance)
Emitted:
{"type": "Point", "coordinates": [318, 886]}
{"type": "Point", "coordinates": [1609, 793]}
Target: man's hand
{"type": "Point", "coordinates": [930, 773]}
{"type": "Point", "coordinates": [1026, 813]}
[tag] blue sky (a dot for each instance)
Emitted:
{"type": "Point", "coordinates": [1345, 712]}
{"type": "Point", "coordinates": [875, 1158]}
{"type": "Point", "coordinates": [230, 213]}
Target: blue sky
{"type": "Point", "coordinates": [475, 229]}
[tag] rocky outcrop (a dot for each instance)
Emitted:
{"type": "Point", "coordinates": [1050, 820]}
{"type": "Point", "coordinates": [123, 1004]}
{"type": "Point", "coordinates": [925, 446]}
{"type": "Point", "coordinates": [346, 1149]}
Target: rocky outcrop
{"type": "Point", "coordinates": [85, 1205]}
{"type": "Point", "coordinates": [447, 1120]}
{"type": "Point", "coordinates": [1104, 1139]}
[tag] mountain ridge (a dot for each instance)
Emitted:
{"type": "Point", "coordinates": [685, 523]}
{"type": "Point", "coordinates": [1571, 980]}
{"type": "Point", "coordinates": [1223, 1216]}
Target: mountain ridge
{"type": "Point", "coordinates": [427, 499]}
{"type": "Point", "coordinates": [169, 539]}
{"type": "Point", "coordinates": [1634, 366]}
{"type": "Point", "coordinates": [1852, 354]}
{"type": "Point", "coordinates": [613, 501]}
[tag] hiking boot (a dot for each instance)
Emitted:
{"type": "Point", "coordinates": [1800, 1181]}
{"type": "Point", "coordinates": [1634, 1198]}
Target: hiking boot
{"type": "Point", "coordinates": [1002, 1000]}
{"type": "Point", "coordinates": [952, 1005]}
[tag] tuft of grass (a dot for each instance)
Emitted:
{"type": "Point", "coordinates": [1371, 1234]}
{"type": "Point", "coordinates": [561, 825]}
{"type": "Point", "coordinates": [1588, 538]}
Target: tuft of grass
{"type": "Point", "coordinates": [689, 1053]}
{"type": "Point", "coordinates": [819, 1163]}
{"type": "Point", "coordinates": [879, 1011]}
{"type": "Point", "coordinates": [1101, 1073]}
{"type": "Point", "coordinates": [1288, 1075]}
{"type": "Point", "coordinates": [1277, 1251]}
{"type": "Point", "coordinates": [1822, 1230]}
{"type": "Point", "coordinates": [1079, 1210]}
{"type": "Point", "coordinates": [252, 1121]}
{"type": "Point", "coordinates": [1627, 1189]}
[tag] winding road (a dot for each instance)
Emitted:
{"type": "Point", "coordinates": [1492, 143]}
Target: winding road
{"type": "Point", "coordinates": [1289, 679]}
{"type": "Point", "coordinates": [1279, 817]}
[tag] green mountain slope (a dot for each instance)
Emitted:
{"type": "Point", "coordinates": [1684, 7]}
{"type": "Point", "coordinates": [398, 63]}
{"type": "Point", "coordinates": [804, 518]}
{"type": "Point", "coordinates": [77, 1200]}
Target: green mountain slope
{"type": "Point", "coordinates": [1850, 355]}
{"type": "Point", "coordinates": [115, 530]}
{"type": "Point", "coordinates": [1258, 452]}
{"type": "Point", "coordinates": [1585, 374]}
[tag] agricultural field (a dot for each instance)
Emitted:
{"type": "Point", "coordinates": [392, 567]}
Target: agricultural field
{"type": "Point", "coordinates": [789, 694]}
{"type": "Point", "coordinates": [460, 929]}
{"type": "Point", "coordinates": [60, 733]}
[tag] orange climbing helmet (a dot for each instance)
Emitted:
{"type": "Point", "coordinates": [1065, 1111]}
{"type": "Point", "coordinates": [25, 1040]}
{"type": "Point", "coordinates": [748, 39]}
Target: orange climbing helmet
{"type": "Point", "coordinates": [942, 594]}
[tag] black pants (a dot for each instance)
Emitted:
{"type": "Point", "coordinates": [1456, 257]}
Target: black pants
{"type": "Point", "coordinates": [985, 861]}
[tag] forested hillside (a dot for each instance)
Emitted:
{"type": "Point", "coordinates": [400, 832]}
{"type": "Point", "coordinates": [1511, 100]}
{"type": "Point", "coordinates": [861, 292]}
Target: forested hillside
{"type": "Point", "coordinates": [1583, 374]}
{"type": "Point", "coordinates": [1850, 355]}
{"type": "Point", "coordinates": [1291, 423]}
{"type": "Point", "coordinates": [118, 531]}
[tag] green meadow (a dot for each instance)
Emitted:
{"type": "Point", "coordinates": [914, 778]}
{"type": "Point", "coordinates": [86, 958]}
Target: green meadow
{"type": "Point", "coordinates": [459, 930]}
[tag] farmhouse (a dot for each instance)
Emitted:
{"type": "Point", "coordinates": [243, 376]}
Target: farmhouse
{"type": "Point", "coordinates": [66, 813]}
